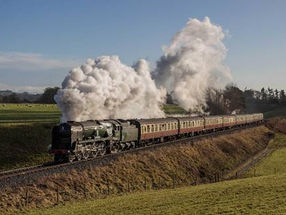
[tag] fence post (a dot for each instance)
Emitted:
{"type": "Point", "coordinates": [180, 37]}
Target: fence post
{"type": "Point", "coordinates": [57, 190]}
{"type": "Point", "coordinates": [75, 187]}
{"type": "Point", "coordinates": [108, 189]}
{"type": "Point", "coordinates": [128, 189]}
{"type": "Point", "coordinates": [84, 191]}
{"type": "Point", "coordinates": [145, 183]}
{"type": "Point", "coordinates": [26, 197]}
{"type": "Point", "coordinates": [174, 185]}
{"type": "Point", "coordinates": [159, 183]}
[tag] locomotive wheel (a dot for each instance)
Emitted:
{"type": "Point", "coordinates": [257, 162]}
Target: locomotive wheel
{"type": "Point", "coordinates": [71, 158]}
{"type": "Point", "coordinates": [85, 155]}
{"type": "Point", "coordinates": [78, 156]}
{"type": "Point", "coordinates": [115, 148]}
{"type": "Point", "coordinates": [94, 154]}
{"type": "Point", "coordinates": [101, 149]}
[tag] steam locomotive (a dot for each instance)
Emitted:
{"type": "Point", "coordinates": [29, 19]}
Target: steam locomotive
{"type": "Point", "coordinates": [83, 140]}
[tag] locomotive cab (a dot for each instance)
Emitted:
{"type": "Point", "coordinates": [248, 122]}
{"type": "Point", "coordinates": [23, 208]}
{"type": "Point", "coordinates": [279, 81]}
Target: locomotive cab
{"type": "Point", "coordinates": [61, 138]}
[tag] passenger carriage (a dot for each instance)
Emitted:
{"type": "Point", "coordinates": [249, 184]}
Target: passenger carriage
{"type": "Point", "coordinates": [213, 122]}
{"type": "Point", "coordinates": [241, 119]}
{"type": "Point", "coordinates": [229, 121]}
{"type": "Point", "coordinates": [157, 128]}
{"type": "Point", "coordinates": [191, 125]}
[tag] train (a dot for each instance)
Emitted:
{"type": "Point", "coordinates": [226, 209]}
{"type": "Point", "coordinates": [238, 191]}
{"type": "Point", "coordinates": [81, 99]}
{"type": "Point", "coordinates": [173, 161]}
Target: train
{"type": "Point", "coordinates": [75, 141]}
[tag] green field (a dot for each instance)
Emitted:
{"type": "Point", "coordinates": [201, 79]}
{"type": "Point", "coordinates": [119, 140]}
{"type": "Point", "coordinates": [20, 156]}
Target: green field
{"type": "Point", "coordinates": [11, 113]}
{"type": "Point", "coordinates": [274, 163]}
{"type": "Point", "coordinates": [173, 109]}
{"type": "Point", "coordinates": [278, 112]}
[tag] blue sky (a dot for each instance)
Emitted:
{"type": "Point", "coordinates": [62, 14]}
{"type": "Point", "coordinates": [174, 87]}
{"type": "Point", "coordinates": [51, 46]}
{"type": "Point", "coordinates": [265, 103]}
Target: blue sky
{"type": "Point", "coordinates": [41, 40]}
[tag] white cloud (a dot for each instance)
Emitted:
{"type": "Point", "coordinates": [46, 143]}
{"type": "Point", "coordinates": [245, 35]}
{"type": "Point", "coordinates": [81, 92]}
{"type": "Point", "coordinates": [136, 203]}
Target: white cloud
{"type": "Point", "coordinates": [32, 62]}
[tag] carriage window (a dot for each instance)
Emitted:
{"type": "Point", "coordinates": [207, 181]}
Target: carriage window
{"type": "Point", "coordinates": [152, 128]}
{"type": "Point", "coordinates": [148, 128]}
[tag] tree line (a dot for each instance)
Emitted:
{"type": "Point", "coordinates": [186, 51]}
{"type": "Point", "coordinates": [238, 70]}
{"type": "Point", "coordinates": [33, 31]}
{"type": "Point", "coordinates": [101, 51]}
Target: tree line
{"type": "Point", "coordinates": [234, 100]}
{"type": "Point", "coordinates": [46, 98]}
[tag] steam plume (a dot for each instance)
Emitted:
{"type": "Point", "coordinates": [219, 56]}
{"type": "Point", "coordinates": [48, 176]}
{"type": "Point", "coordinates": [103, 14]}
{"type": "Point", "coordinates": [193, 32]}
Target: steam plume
{"type": "Point", "coordinates": [105, 88]}
{"type": "Point", "coordinates": [192, 63]}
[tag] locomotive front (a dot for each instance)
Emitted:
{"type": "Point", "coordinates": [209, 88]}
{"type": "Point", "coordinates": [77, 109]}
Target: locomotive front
{"type": "Point", "coordinates": [61, 141]}
{"type": "Point", "coordinates": [80, 140]}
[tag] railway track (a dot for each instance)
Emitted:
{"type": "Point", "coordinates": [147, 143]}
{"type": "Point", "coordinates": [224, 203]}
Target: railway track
{"type": "Point", "coordinates": [29, 174]}
{"type": "Point", "coordinates": [18, 171]}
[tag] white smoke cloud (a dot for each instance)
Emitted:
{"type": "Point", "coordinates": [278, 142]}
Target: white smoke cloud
{"type": "Point", "coordinates": [192, 63]}
{"type": "Point", "coordinates": [105, 88]}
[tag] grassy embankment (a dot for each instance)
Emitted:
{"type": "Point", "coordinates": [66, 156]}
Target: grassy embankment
{"type": "Point", "coordinates": [24, 144]}
{"type": "Point", "coordinates": [263, 194]}
{"type": "Point", "coordinates": [184, 164]}
{"type": "Point", "coordinates": [25, 133]}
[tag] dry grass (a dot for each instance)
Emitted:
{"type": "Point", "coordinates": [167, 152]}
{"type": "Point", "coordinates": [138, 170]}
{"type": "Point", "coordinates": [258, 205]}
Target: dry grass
{"type": "Point", "coordinates": [277, 124]}
{"type": "Point", "coordinates": [158, 167]}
